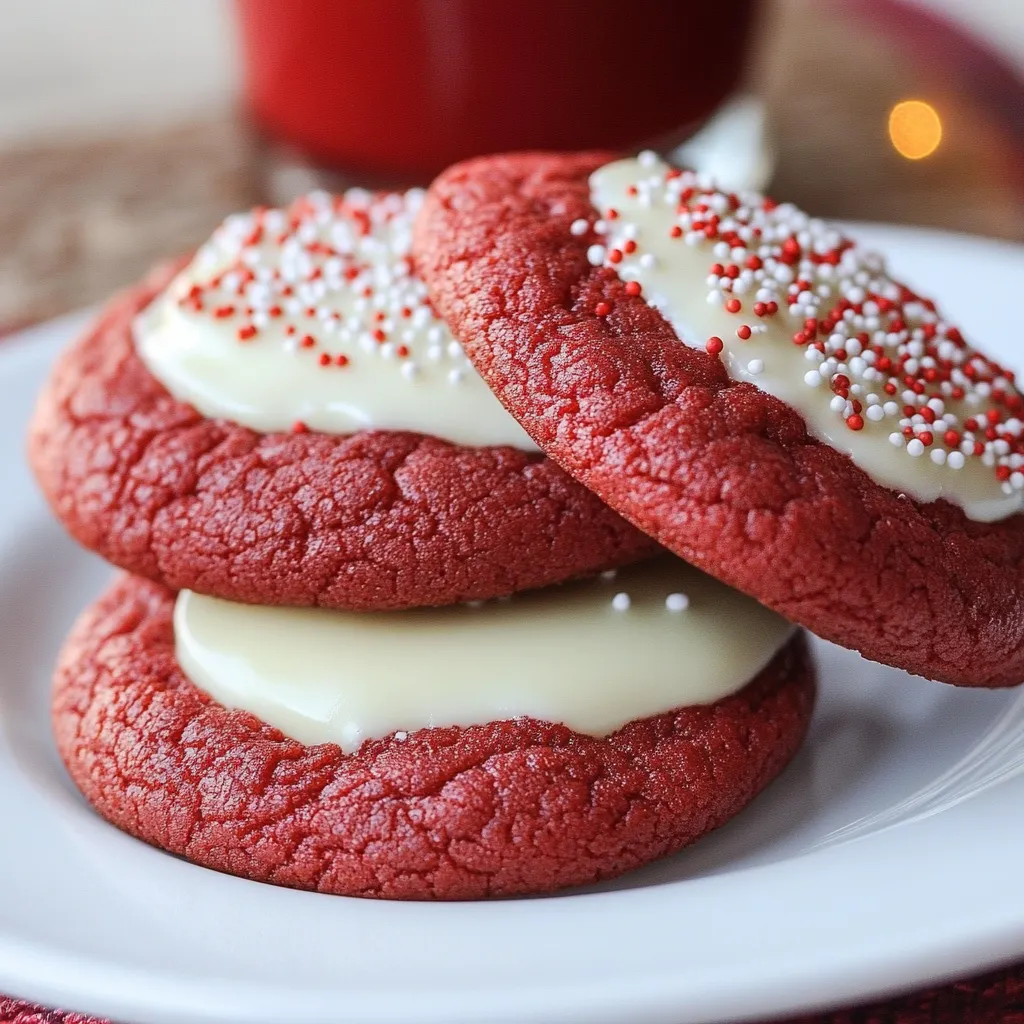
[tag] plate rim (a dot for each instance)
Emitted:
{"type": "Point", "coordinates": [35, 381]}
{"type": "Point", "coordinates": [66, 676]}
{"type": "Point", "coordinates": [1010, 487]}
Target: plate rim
{"type": "Point", "coordinates": [144, 996]}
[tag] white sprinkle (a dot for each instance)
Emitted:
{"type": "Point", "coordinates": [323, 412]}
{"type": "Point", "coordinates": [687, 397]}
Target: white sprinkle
{"type": "Point", "coordinates": [410, 370]}
{"type": "Point", "coordinates": [955, 460]}
{"type": "Point", "coordinates": [891, 409]}
{"type": "Point", "coordinates": [938, 456]}
{"type": "Point", "coordinates": [755, 366]}
{"type": "Point", "coordinates": [401, 735]}
{"type": "Point", "coordinates": [896, 439]}
{"type": "Point", "coordinates": [596, 255]}
{"type": "Point", "coordinates": [648, 261]}
{"type": "Point", "coordinates": [677, 602]}
{"type": "Point", "coordinates": [454, 349]}
{"type": "Point", "coordinates": [621, 602]}
{"type": "Point", "coordinates": [875, 413]}
{"type": "Point", "coordinates": [838, 403]}
{"type": "Point", "coordinates": [456, 376]}
{"type": "Point", "coordinates": [579, 227]}
{"type": "Point", "coordinates": [915, 447]}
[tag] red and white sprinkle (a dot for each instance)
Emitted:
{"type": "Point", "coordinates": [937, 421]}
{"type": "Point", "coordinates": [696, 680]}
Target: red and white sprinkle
{"type": "Point", "coordinates": [329, 278]}
{"type": "Point", "coordinates": [886, 354]}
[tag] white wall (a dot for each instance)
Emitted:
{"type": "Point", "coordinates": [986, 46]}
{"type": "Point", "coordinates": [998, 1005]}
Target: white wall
{"type": "Point", "coordinates": [1000, 23]}
{"type": "Point", "coordinates": [89, 66]}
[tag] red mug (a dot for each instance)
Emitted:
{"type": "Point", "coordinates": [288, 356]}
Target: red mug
{"type": "Point", "coordinates": [395, 90]}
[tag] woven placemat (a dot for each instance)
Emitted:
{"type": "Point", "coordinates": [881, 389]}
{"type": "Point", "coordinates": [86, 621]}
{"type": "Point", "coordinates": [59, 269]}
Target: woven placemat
{"type": "Point", "coordinates": [993, 998]}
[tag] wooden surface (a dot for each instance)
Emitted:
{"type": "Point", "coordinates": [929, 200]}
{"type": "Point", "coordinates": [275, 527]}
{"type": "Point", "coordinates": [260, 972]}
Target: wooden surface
{"type": "Point", "coordinates": [78, 220]}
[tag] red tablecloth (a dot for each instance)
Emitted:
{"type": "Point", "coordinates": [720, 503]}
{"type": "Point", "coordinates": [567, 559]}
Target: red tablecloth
{"type": "Point", "coordinates": [995, 998]}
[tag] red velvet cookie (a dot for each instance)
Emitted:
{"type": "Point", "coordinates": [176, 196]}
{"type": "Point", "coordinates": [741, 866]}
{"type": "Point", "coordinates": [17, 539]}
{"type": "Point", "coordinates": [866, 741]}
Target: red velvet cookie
{"type": "Point", "coordinates": [508, 808]}
{"type": "Point", "coordinates": [374, 519]}
{"type": "Point", "coordinates": [720, 471]}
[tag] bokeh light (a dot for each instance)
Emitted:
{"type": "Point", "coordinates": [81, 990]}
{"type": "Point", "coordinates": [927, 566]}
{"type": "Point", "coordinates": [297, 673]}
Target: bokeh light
{"type": "Point", "coordinates": [915, 129]}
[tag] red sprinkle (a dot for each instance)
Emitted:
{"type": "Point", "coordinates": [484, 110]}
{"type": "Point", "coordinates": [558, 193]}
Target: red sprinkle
{"type": "Point", "coordinates": [714, 345]}
{"type": "Point", "coordinates": [602, 309]}
{"type": "Point", "coordinates": [743, 332]}
{"type": "Point", "coordinates": [734, 305]}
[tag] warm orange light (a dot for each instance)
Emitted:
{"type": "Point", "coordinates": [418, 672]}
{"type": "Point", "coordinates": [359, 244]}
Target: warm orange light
{"type": "Point", "coordinates": [915, 129]}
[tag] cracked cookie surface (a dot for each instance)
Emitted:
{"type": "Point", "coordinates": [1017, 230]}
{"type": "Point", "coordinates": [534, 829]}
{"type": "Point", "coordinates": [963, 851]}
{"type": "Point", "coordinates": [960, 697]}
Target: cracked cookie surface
{"type": "Point", "coordinates": [720, 472]}
{"type": "Point", "coordinates": [372, 520]}
{"type": "Point", "coordinates": [508, 808]}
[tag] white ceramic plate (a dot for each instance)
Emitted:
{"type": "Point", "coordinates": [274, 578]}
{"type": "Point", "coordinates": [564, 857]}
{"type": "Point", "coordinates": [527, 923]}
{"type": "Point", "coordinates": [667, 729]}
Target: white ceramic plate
{"type": "Point", "coordinates": [888, 855]}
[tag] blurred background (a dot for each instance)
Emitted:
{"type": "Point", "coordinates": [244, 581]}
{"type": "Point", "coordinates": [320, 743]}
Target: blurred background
{"type": "Point", "coordinates": [128, 130]}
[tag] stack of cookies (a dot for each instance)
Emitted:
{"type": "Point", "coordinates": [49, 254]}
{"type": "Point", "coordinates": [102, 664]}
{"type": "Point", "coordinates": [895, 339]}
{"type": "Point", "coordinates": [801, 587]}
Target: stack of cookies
{"type": "Point", "coordinates": [402, 486]}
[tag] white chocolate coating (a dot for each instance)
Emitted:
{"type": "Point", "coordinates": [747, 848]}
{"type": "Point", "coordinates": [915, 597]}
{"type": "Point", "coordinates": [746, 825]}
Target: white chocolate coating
{"type": "Point", "coordinates": [694, 250]}
{"type": "Point", "coordinates": [313, 316]}
{"type": "Point", "coordinates": [593, 655]}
